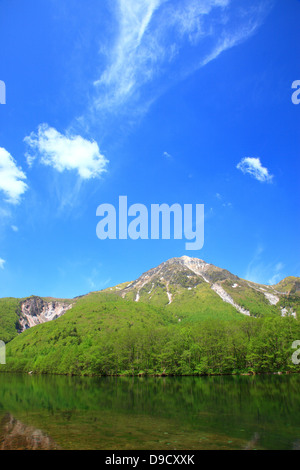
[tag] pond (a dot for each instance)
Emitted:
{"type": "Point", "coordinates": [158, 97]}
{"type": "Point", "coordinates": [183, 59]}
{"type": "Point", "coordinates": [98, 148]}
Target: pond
{"type": "Point", "coordinates": [163, 413]}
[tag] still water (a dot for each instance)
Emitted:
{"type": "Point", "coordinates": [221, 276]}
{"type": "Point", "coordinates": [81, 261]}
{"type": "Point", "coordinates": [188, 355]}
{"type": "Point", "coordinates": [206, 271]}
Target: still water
{"type": "Point", "coordinates": [182, 413]}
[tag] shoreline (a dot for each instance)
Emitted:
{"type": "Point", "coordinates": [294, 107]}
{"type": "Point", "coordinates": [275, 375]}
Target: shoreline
{"type": "Point", "coordinates": [242, 374]}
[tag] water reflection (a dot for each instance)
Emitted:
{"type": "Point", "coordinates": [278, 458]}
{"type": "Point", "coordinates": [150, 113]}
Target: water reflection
{"type": "Point", "coordinates": [261, 412]}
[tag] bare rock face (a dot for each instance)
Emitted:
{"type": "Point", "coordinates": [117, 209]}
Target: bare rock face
{"type": "Point", "coordinates": [36, 310]}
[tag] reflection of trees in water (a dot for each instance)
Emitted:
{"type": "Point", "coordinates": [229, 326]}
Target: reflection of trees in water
{"type": "Point", "coordinates": [276, 397]}
{"type": "Point", "coordinates": [16, 435]}
{"type": "Point", "coordinates": [237, 406]}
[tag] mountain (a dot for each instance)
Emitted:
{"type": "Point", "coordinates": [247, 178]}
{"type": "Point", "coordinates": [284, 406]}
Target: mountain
{"type": "Point", "coordinates": [191, 285]}
{"type": "Point", "coordinates": [187, 288]}
{"type": "Point", "coordinates": [185, 316]}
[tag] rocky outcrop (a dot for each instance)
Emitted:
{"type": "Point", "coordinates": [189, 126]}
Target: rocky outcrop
{"type": "Point", "coordinates": [273, 299]}
{"type": "Point", "coordinates": [226, 298]}
{"type": "Point", "coordinates": [288, 312]}
{"type": "Point", "coordinates": [36, 310]}
{"type": "Point", "coordinates": [15, 435]}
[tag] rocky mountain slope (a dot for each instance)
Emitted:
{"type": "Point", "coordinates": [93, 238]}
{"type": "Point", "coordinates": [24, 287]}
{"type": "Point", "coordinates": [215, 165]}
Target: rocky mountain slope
{"type": "Point", "coordinates": [36, 310]}
{"type": "Point", "coordinates": [17, 315]}
{"type": "Point", "coordinates": [185, 282]}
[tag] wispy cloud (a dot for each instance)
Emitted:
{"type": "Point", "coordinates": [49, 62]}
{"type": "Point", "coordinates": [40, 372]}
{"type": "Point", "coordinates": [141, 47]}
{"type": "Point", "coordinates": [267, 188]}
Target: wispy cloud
{"type": "Point", "coordinates": [12, 178]}
{"type": "Point", "coordinates": [253, 167]}
{"type": "Point", "coordinates": [132, 58]}
{"type": "Point", "coordinates": [2, 263]}
{"type": "Point", "coordinates": [277, 276]}
{"type": "Point", "coordinates": [154, 44]}
{"type": "Point", "coordinates": [256, 270]}
{"type": "Point", "coordinates": [263, 273]}
{"type": "Point", "coordinates": [67, 152]}
{"type": "Point", "coordinates": [151, 35]}
{"type": "Point", "coordinates": [222, 201]}
{"type": "Point", "coordinates": [95, 280]}
{"type": "Point", "coordinates": [167, 155]}
{"type": "Point", "coordinates": [5, 213]}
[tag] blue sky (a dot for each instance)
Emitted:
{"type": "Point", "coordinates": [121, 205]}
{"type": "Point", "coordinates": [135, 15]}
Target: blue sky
{"type": "Point", "coordinates": [165, 101]}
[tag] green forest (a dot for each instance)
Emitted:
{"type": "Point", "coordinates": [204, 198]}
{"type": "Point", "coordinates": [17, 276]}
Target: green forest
{"type": "Point", "coordinates": [105, 335]}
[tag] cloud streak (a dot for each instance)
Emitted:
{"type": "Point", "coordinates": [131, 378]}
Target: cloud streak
{"type": "Point", "coordinates": [152, 35]}
{"type": "Point", "coordinates": [131, 60]}
{"type": "Point", "coordinates": [277, 276]}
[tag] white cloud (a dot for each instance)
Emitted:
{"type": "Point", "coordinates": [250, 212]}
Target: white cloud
{"type": "Point", "coordinates": [67, 152]}
{"type": "Point", "coordinates": [11, 178]}
{"type": "Point", "coordinates": [253, 167]}
{"type": "Point", "coordinates": [152, 34]}
{"type": "Point", "coordinates": [14, 228]}
{"type": "Point", "coordinates": [2, 263]}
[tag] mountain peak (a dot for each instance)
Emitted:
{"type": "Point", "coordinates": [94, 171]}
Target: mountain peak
{"type": "Point", "coordinates": [173, 279]}
{"type": "Point", "coordinates": [186, 282]}
{"type": "Point", "coordinates": [188, 261]}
